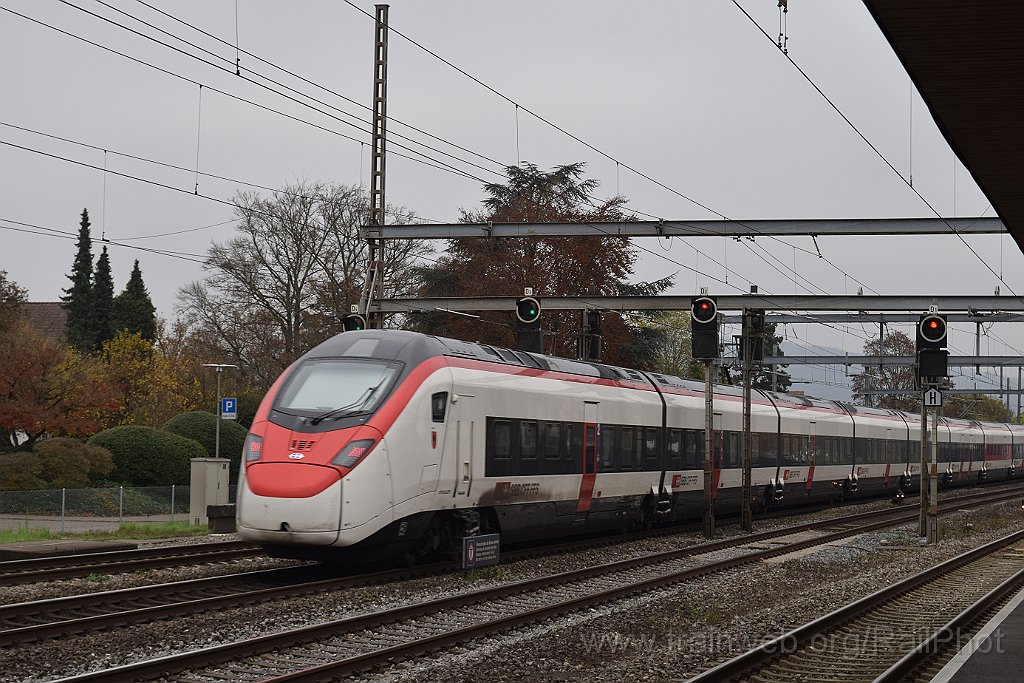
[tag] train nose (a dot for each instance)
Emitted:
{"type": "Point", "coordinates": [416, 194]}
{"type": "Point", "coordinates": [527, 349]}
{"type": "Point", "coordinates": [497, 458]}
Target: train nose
{"type": "Point", "coordinates": [281, 501]}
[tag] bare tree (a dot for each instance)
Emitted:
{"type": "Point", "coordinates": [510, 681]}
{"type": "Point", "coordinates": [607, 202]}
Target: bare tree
{"type": "Point", "coordinates": [892, 378]}
{"type": "Point", "coordinates": [283, 283]}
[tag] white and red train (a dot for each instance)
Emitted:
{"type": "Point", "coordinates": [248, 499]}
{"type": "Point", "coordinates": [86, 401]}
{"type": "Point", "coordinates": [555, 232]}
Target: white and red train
{"type": "Point", "coordinates": [385, 442]}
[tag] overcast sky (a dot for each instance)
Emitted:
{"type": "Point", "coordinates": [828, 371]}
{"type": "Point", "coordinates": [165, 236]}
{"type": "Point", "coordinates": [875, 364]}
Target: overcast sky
{"type": "Point", "coordinates": [691, 94]}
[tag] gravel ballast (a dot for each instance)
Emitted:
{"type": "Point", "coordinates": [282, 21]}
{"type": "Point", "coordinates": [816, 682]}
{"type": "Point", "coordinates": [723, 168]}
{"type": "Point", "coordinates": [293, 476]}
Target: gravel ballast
{"type": "Point", "coordinates": [667, 635]}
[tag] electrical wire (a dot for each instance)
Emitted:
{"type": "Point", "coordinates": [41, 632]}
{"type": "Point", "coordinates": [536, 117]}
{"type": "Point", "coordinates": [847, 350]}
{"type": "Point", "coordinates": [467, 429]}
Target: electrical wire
{"type": "Point", "coordinates": [232, 70]}
{"type": "Point", "coordinates": [391, 119]}
{"type": "Point", "coordinates": [163, 164]}
{"type": "Point", "coordinates": [600, 152]}
{"type": "Point", "coordinates": [54, 232]}
{"type": "Point", "coordinates": [881, 156]}
{"type": "Point", "coordinates": [427, 161]}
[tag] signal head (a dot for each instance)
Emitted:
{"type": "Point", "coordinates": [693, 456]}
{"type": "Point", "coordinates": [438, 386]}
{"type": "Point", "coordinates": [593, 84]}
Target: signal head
{"type": "Point", "coordinates": [353, 323]}
{"type": "Point", "coordinates": [932, 329]}
{"type": "Point", "coordinates": [703, 310]}
{"type": "Point", "coordinates": [527, 309]}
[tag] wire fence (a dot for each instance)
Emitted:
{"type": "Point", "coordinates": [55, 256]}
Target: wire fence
{"type": "Point", "coordinates": [72, 509]}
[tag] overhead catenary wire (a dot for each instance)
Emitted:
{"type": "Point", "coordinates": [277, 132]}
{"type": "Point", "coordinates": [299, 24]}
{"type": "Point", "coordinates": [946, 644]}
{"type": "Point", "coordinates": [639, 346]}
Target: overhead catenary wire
{"type": "Point", "coordinates": [391, 119]}
{"type": "Point", "coordinates": [881, 156]}
{"type": "Point", "coordinates": [206, 61]}
{"type": "Point", "coordinates": [631, 169]}
{"type": "Point", "coordinates": [574, 137]}
{"type": "Point", "coordinates": [163, 164]}
{"type": "Point", "coordinates": [426, 160]}
{"type": "Point", "coordinates": [54, 232]}
{"type": "Point", "coordinates": [276, 83]}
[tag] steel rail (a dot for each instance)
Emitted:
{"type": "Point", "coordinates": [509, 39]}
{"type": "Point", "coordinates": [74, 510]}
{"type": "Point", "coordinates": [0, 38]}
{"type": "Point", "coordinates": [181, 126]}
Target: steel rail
{"type": "Point", "coordinates": [73, 566]}
{"type": "Point", "coordinates": [177, 603]}
{"type": "Point", "coordinates": [255, 646]}
{"type": "Point", "coordinates": [791, 642]}
{"type": "Point", "coordinates": [948, 634]}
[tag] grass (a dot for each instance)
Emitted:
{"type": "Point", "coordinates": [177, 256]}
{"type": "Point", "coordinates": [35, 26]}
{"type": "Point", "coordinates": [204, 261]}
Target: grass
{"type": "Point", "coordinates": [125, 531]}
{"type": "Point", "coordinates": [495, 573]}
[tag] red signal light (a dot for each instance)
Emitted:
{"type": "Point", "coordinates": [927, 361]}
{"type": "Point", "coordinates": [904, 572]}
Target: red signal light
{"type": "Point", "coordinates": [934, 324]}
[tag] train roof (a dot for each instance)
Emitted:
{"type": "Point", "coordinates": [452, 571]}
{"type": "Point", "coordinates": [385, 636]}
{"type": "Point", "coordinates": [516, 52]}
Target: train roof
{"type": "Point", "coordinates": [414, 347]}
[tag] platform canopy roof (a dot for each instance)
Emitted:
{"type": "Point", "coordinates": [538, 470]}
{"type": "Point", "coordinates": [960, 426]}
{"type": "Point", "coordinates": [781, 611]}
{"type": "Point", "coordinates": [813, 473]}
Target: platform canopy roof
{"type": "Point", "coordinates": [967, 61]}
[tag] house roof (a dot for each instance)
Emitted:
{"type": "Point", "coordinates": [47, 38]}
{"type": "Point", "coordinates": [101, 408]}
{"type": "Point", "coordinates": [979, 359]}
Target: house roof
{"type": "Point", "coordinates": [48, 317]}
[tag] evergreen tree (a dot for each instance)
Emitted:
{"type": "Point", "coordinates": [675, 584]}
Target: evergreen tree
{"type": "Point", "coordinates": [102, 302]}
{"type": "Point", "coordinates": [78, 298]}
{"type": "Point", "coordinates": [133, 309]}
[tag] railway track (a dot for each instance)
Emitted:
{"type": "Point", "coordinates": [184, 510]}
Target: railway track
{"type": "Point", "coordinates": [349, 645]}
{"type": "Point", "coordinates": [15, 572]}
{"type": "Point", "coordinates": [889, 635]}
{"type": "Point", "coordinates": [38, 620]}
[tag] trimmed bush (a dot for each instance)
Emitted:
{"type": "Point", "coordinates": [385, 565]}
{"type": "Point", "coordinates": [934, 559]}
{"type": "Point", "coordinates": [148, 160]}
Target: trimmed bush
{"type": "Point", "coordinates": [202, 427]}
{"type": "Point", "coordinates": [144, 456]}
{"type": "Point", "coordinates": [21, 471]}
{"type": "Point", "coordinates": [69, 463]}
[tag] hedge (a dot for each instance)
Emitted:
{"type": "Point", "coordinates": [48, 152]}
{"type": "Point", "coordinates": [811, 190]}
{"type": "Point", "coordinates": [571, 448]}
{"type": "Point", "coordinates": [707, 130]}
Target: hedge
{"type": "Point", "coordinates": [144, 456]}
{"type": "Point", "coordinates": [202, 427]}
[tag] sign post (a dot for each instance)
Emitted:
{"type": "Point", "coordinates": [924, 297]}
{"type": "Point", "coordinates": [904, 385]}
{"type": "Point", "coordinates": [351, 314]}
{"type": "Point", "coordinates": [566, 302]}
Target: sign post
{"type": "Point", "coordinates": [219, 368]}
{"type": "Point", "coordinates": [480, 551]}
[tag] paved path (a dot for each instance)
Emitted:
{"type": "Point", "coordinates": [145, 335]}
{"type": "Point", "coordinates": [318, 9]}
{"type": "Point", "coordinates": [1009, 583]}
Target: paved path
{"type": "Point", "coordinates": [75, 524]}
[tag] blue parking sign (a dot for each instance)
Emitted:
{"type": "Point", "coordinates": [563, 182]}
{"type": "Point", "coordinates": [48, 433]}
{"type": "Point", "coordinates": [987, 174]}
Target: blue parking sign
{"type": "Point", "coordinates": [229, 408]}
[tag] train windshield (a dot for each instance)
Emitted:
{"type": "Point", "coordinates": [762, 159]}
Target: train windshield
{"type": "Point", "coordinates": [331, 388]}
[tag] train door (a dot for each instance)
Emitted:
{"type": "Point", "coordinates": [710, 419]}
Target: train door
{"type": "Point", "coordinates": [465, 433]}
{"type": "Point", "coordinates": [430, 474]}
{"type": "Point", "coordinates": [589, 456]}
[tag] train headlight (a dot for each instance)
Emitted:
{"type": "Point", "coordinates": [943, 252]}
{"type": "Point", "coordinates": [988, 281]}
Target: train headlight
{"type": "Point", "coordinates": [253, 448]}
{"type": "Point", "coordinates": [352, 453]}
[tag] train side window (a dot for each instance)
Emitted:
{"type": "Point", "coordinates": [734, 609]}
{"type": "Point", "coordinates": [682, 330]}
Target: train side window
{"type": "Point", "coordinates": [607, 441]}
{"type": "Point", "coordinates": [638, 450]}
{"type": "Point", "coordinates": [502, 440]}
{"type": "Point", "coordinates": [625, 448]}
{"type": "Point", "coordinates": [675, 449]}
{"type": "Point", "coordinates": [651, 443]}
{"type": "Point", "coordinates": [527, 440]}
{"type": "Point", "coordinates": [694, 448]}
{"type": "Point", "coordinates": [438, 406]}
{"type": "Point", "coordinates": [788, 456]}
{"type": "Point", "coordinates": [574, 462]}
{"type": "Point", "coordinates": [552, 440]}
{"type": "Point", "coordinates": [766, 456]}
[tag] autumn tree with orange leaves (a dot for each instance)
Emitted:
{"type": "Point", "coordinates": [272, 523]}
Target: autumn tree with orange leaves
{"type": "Point", "coordinates": [47, 388]}
{"type": "Point", "coordinates": [553, 266]}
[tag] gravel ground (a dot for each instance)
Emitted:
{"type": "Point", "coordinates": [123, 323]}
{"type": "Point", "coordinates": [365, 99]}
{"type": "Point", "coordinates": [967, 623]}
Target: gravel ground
{"type": "Point", "coordinates": [676, 633]}
{"type": "Point", "coordinates": [666, 635]}
{"type": "Point", "coordinates": [98, 582]}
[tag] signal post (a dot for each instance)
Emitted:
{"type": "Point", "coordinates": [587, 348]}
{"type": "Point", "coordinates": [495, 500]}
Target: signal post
{"type": "Point", "coordinates": [752, 348]}
{"type": "Point", "coordinates": [704, 342]}
{"type": "Point", "coordinates": [932, 370]}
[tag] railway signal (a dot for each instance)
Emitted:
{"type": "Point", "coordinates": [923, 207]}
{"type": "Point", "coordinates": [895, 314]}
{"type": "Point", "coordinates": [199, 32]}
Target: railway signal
{"type": "Point", "coordinates": [527, 310]}
{"type": "Point", "coordinates": [590, 339]}
{"type": "Point", "coordinates": [704, 327]}
{"type": "Point", "coordinates": [353, 322]}
{"type": "Point", "coordinates": [529, 336]}
{"type": "Point", "coordinates": [932, 356]}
